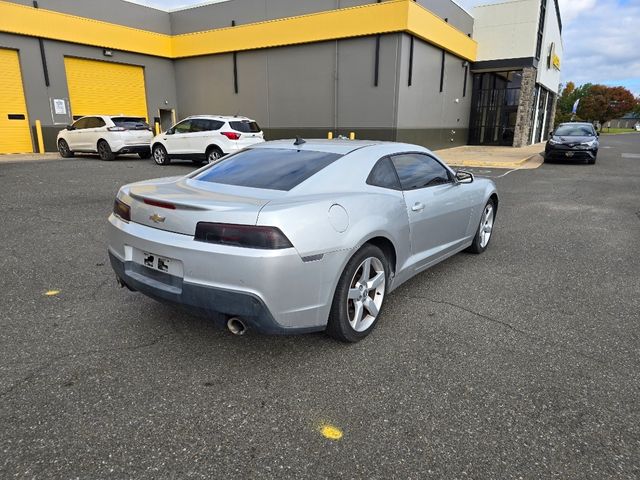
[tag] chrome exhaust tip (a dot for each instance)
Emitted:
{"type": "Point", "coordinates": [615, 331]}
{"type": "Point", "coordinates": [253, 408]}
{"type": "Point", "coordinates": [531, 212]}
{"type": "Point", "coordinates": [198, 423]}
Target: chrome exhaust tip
{"type": "Point", "coordinates": [123, 284]}
{"type": "Point", "coordinates": [236, 326]}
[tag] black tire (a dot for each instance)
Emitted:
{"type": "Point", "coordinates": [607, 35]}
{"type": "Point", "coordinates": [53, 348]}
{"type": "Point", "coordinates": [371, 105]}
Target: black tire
{"type": "Point", "coordinates": [339, 326]}
{"type": "Point", "coordinates": [144, 155]}
{"type": "Point", "coordinates": [160, 155]}
{"type": "Point", "coordinates": [63, 149]}
{"type": "Point", "coordinates": [212, 154]}
{"type": "Point", "coordinates": [477, 245]}
{"type": "Point", "coordinates": [104, 151]}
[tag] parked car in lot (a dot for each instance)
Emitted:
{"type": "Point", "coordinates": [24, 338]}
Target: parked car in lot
{"type": "Point", "coordinates": [287, 237]}
{"type": "Point", "coordinates": [573, 141]}
{"type": "Point", "coordinates": [108, 136]}
{"type": "Point", "coordinates": [637, 127]}
{"type": "Point", "coordinates": [205, 138]}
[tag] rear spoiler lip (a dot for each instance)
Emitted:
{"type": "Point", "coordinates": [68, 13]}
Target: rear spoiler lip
{"type": "Point", "coordinates": [178, 205]}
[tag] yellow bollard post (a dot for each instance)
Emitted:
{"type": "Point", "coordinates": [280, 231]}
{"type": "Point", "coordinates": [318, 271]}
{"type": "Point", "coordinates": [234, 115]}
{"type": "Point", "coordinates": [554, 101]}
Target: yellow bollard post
{"type": "Point", "coordinates": [352, 135]}
{"type": "Point", "coordinates": [330, 136]}
{"type": "Point", "coordinates": [40, 137]}
{"type": "Point", "coordinates": [157, 128]}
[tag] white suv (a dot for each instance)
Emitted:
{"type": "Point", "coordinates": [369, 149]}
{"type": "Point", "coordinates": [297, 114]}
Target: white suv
{"type": "Point", "coordinates": [205, 138]}
{"type": "Point", "coordinates": [107, 136]}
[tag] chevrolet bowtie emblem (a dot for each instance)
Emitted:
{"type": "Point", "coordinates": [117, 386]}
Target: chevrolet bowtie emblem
{"type": "Point", "coordinates": [157, 218]}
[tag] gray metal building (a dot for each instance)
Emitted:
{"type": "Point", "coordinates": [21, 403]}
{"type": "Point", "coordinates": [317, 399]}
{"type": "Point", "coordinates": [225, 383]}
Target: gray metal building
{"type": "Point", "coordinates": [394, 70]}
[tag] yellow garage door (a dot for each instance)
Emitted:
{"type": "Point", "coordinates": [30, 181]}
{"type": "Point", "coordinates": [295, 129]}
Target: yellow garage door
{"type": "Point", "coordinates": [105, 88]}
{"type": "Point", "coordinates": [15, 136]}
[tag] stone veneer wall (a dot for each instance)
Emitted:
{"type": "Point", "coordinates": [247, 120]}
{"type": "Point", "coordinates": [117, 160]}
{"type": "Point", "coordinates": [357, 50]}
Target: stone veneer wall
{"type": "Point", "coordinates": [552, 118]}
{"type": "Point", "coordinates": [525, 108]}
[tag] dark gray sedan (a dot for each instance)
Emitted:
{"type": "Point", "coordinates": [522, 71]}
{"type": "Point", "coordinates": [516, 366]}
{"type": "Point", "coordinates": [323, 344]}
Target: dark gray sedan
{"type": "Point", "coordinates": [573, 141]}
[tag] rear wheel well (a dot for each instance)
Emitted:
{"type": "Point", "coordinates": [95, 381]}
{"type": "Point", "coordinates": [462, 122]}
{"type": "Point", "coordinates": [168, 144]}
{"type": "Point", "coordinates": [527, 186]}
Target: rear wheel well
{"type": "Point", "coordinates": [494, 197]}
{"type": "Point", "coordinates": [388, 249]}
{"type": "Point", "coordinates": [213, 146]}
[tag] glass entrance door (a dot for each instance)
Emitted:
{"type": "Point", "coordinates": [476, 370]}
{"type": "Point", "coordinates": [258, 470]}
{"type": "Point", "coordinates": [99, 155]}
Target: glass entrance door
{"type": "Point", "coordinates": [494, 107]}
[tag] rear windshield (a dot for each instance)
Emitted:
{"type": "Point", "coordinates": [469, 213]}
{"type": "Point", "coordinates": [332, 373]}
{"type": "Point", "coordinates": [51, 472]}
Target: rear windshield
{"type": "Point", "coordinates": [131, 123]}
{"type": "Point", "coordinates": [268, 168]}
{"type": "Point", "coordinates": [574, 131]}
{"type": "Point", "coordinates": [245, 126]}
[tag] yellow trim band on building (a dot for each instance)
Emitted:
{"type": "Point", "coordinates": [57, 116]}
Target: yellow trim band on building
{"type": "Point", "coordinates": [377, 18]}
{"type": "Point", "coordinates": [39, 22]}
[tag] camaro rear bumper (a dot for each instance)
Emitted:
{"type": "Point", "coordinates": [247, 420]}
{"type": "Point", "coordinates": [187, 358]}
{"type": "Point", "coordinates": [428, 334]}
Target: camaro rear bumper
{"type": "Point", "coordinates": [214, 303]}
{"type": "Point", "coordinates": [273, 291]}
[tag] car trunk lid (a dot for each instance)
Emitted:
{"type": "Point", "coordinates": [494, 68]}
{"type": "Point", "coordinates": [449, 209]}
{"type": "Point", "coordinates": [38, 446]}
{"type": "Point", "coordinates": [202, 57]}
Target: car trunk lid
{"type": "Point", "coordinates": [178, 205]}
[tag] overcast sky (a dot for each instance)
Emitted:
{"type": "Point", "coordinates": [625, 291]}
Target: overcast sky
{"type": "Point", "coordinates": [601, 39]}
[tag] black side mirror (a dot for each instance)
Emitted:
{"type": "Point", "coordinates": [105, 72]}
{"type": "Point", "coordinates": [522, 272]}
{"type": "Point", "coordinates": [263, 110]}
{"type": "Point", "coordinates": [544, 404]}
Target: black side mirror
{"type": "Point", "coordinates": [551, 133]}
{"type": "Point", "coordinates": [464, 177]}
{"type": "Point", "coordinates": [171, 131]}
{"type": "Point", "coordinates": [70, 127]}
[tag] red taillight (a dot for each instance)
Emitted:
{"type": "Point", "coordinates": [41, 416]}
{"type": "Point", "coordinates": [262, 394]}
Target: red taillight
{"type": "Point", "coordinates": [231, 135]}
{"type": "Point", "coordinates": [157, 203]}
{"type": "Point", "coordinates": [248, 236]}
{"type": "Point", "coordinates": [122, 210]}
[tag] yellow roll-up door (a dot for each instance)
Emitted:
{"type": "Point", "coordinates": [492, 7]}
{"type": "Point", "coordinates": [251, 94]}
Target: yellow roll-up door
{"type": "Point", "coordinates": [105, 88]}
{"type": "Point", "coordinates": [15, 135]}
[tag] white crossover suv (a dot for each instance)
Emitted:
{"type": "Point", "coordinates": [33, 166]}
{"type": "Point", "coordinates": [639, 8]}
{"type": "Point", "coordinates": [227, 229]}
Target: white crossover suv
{"type": "Point", "coordinates": [107, 136]}
{"type": "Point", "coordinates": [205, 138]}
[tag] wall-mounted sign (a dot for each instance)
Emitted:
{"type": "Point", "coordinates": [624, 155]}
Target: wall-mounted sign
{"type": "Point", "coordinates": [553, 61]}
{"type": "Point", "coordinates": [59, 106]}
{"type": "Point", "coordinates": [60, 111]}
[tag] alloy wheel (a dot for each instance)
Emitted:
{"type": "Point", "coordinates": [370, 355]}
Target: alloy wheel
{"type": "Point", "coordinates": [366, 293]}
{"type": "Point", "coordinates": [213, 156]}
{"type": "Point", "coordinates": [486, 225]}
{"type": "Point", "coordinates": [159, 156]}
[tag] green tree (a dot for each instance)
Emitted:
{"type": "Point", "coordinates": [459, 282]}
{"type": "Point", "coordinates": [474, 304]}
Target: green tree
{"type": "Point", "coordinates": [568, 98]}
{"type": "Point", "coordinates": [606, 103]}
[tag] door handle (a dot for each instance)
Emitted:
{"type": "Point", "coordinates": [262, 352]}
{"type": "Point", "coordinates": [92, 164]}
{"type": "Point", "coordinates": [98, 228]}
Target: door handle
{"type": "Point", "coordinates": [418, 207]}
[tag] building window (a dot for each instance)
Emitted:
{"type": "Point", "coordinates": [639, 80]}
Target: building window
{"type": "Point", "coordinates": [543, 14]}
{"type": "Point", "coordinates": [494, 107]}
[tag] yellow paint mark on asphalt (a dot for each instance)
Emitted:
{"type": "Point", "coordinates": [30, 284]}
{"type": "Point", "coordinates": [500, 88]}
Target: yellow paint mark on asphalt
{"type": "Point", "coordinates": [52, 293]}
{"type": "Point", "coordinates": [331, 432]}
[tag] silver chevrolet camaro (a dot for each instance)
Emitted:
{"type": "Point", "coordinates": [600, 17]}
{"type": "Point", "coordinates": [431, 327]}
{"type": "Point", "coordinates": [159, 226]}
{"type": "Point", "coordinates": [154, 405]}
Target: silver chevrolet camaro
{"type": "Point", "coordinates": [298, 236]}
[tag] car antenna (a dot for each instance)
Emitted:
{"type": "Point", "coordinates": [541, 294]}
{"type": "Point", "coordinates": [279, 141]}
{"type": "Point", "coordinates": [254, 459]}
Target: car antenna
{"type": "Point", "coordinates": [299, 141]}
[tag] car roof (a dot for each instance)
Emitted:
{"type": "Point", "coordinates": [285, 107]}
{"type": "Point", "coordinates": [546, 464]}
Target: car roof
{"type": "Point", "coordinates": [224, 118]}
{"type": "Point", "coordinates": [576, 123]}
{"type": "Point", "coordinates": [339, 146]}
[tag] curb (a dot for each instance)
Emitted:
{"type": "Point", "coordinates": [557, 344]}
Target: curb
{"type": "Point", "coordinates": [480, 164]}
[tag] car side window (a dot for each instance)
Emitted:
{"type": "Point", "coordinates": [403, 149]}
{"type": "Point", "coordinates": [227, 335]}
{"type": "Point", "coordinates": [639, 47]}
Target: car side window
{"type": "Point", "coordinates": [198, 125]}
{"type": "Point", "coordinates": [384, 175]}
{"type": "Point", "coordinates": [183, 127]}
{"type": "Point", "coordinates": [417, 170]}
{"type": "Point", "coordinates": [94, 122]}
{"type": "Point", "coordinates": [205, 125]}
{"type": "Point", "coordinates": [81, 124]}
{"type": "Point", "coordinates": [215, 125]}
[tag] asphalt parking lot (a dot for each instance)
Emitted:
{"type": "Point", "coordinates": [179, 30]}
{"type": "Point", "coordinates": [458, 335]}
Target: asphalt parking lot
{"type": "Point", "coordinates": [522, 362]}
